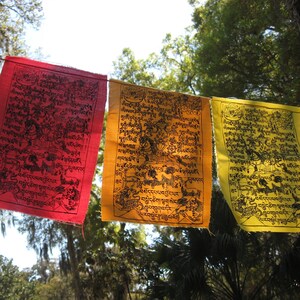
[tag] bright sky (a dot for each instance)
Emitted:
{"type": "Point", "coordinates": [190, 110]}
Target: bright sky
{"type": "Point", "coordinates": [13, 246]}
{"type": "Point", "coordinates": [90, 35]}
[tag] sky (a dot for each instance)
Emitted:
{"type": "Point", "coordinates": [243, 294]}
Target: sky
{"type": "Point", "coordinates": [90, 35]}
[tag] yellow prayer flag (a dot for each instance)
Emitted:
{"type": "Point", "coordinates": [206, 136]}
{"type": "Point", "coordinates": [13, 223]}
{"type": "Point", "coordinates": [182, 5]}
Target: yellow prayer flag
{"type": "Point", "coordinates": [258, 155]}
{"type": "Point", "coordinates": [157, 160]}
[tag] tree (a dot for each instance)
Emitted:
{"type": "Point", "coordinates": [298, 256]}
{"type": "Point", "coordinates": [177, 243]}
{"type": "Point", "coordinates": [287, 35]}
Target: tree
{"type": "Point", "coordinates": [112, 256]}
{"type": "Point", "coordinates": [228, 55]}
{"type": "Point", "coordinates": [104, 263]}
{"type": "Point", "coordinates": [173, 69]}
{"type": "Point", "coordinates": [14, 16]}
{"type": "Point", "coordinates": [14, 284]}
{"type": "Point", "coordinates": [49, 284]}
{"type": "Point", "coordinates": [248, 49]}
{"type": "Point", "coordinates": [245, 49]}
{"type": "Point", "coordinates": [43, 235]}
{"type": "Point", "coordinates": [6, 218]}
{"type": "Point", "coordinates": [57, 288]}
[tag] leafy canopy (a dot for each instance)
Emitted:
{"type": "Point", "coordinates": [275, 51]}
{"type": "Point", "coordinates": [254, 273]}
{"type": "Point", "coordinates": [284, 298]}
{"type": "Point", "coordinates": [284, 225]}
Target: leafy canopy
{"type": "Point", "coordinates": [14, 16]}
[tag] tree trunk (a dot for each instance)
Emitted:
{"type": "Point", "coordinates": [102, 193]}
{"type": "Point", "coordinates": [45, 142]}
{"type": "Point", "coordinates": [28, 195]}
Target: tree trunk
{"type": "Point", "coordinates": [123, 287]}
{"type": "Point", "coordinates": [74, 264]}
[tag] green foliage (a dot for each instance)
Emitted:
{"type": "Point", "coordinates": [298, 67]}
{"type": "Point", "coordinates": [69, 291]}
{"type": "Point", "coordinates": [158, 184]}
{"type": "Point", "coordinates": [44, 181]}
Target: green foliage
{"type": "Point", "coordinates": [57, 288]}
{"type": "Point", "coordinates": [111, 255]}
{"type": "Point", "coordinates": [248, 49]}
{"type": "Point", "coordinates": [134, 71]}
{"type": "Point", "coordinates": [14, 16]}
{"type": "Point", "coordinates": [42, 234]}
{"type": "Point", "coordinates": [173, 69]}
{"type": "Point", "coordinates": [15, 285]}
{"type": "Point", "coordinates": [176, 64]}
{"type": "Point", "coordinates": [245, 49]}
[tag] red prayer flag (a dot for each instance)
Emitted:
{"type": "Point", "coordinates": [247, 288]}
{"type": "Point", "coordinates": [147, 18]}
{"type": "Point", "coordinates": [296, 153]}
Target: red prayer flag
{"type": "Point", "coordinates": [51, 121]}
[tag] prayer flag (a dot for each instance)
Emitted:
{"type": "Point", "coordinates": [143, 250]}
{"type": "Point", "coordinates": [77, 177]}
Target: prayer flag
{"type": "Point", "coordinates": [158, 156]}
{"type": "Point", "coordinates": [258, 155]}
{"type": "Point", "coordinates": [51, 121]}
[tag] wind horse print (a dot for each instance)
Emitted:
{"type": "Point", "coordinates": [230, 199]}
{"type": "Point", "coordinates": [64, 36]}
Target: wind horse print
{"type": "Point", "coordinates": [258, 155]}
{"type": "Point", "coordinates": [157, 159]}
{"type": "Point", "coordinates": [51, 121]}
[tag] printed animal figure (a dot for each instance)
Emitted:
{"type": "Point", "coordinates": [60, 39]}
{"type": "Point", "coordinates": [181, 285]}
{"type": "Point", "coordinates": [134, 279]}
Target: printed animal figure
{"type": "Point", "coordinates": [48, 163]}
{"type": "Point", "coordinates": [72, 181]}
{"type": "Point", "coordinates": [151, 178]}
{"type": "Point", "coordinates": [33, 131]}
{"type": "Point", "coordinates": [37, 162]}
{"type": "Point", "coordinates": [158, 128]}
{"type": "Point", "coordinates": [262, 186]}
{"type": "Point", "coordinates": [188, 208]}
{"type": "Point", "coordinates": [277, 185]}
{"type": "Point", "coordinates": [148, 147]}
{"type": "Point", "coordinates": [31, 163]}
{"type": "Point", "coordinates": [66, 197]}
{"type": "Point", "coordinates": [163, 178]}
{"type": "Point", "coordinates": [187, 189]}
{"type": "Point", "coordinates": [272, 184]}
{"type": "Point", "coordinates": [246, 207]}
{"type": "Point", "coordinates": [128, 199]}
{"type": "Point", "coordinates": [167, 180]}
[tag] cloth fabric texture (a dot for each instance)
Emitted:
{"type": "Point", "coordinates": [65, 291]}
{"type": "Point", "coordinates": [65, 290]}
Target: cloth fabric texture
{"type": "Point", "coordinates": [158, 157]}
{"type": "Point", "coordinates": [258, 158]}
{"type": "Point", "coordinates": [51, 123]}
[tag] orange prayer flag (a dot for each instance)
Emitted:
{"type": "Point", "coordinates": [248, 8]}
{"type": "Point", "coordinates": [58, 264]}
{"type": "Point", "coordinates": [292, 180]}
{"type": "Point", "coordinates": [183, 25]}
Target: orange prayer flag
{"type": "Point", "coordinates": [51, 121]}
{"type": "Point", "coordinates": [158, 157]}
